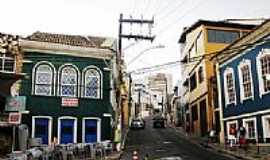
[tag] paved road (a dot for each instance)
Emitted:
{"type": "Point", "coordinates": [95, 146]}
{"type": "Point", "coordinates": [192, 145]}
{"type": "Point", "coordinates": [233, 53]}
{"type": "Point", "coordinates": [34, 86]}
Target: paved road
{"type": "Point", "coordinates": [160, 142]}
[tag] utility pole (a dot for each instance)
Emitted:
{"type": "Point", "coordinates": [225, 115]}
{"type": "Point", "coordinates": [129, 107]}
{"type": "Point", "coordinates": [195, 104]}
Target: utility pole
{"type": "Point", "coordinates": [119, 56]}
{"type": "Point", "coordinates": [136, 37]}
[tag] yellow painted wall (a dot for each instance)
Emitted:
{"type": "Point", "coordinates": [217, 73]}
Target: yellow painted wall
{"type": "Point", "coordinates": [204, 48]}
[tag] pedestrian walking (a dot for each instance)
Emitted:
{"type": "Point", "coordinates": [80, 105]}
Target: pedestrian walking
{"type": "Point", "coordinates": [232, 135]}
{"type": "Point", "coordinates": [187, 128]}
{"type": "Point", "coordinates": [242, 138]}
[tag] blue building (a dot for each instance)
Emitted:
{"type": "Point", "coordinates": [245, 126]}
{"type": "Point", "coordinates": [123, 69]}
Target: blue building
{"type": "Point", "coordinates": [243, 75]}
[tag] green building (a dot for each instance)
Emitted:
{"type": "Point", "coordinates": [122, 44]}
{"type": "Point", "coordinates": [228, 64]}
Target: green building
{"type": "Point", "coordinates": [69, 87]}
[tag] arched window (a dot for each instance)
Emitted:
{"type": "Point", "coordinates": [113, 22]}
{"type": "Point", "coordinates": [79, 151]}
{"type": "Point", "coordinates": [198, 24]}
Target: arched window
{"type": "Point", "coordinates": [43, 78]}
{"type": "Point", "coordinates": [68, 83]}
{"type": "Point", "coordinates": [92, 83]}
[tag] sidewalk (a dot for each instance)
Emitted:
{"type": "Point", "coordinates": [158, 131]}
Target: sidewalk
{"type": "Point", "coordinates": [117, 155]}
{"type": "Point", "coordinates": [114, 156]}
{"type": "Point", "coordinates": [236, 152]}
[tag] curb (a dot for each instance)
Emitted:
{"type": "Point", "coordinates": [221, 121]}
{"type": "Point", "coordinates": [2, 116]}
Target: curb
{"type": "Point", "coordinates": [207, 146]}
{"type": "Point", "coordinates": [124, 140]}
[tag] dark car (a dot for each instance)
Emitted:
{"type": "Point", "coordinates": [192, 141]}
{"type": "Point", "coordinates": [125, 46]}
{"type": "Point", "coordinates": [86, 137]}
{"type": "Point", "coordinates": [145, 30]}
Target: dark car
{"type": "Point", "coordinates": [137, 123]}
{"type": "Point", "coordinates": [159, 122]}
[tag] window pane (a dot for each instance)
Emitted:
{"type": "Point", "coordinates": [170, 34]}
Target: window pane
{"type": "Point", "coordinates": [68, 81]}
{"type": "Point", "coordinates": [265, 65]}
{"type": "Point", "coordinates": [7, 63]}
{"type": "Point", "coordinates": [44, 80]}
{"type": "Point", "coordinates": [68, 90]}
{"type": "Point", "coordinates": [43, 89]}
{"type": "Point", "coordinates": [92, 83]}
{"type": "Point", "coordinates": [219, 36]}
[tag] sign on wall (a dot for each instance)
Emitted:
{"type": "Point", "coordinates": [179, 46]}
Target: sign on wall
{"type": "Point", "coordinates": [14, 118]}
{"type": "Point", "coordinates": [16, 103]}
{"type": "Point", "coordinates": [70, 102]}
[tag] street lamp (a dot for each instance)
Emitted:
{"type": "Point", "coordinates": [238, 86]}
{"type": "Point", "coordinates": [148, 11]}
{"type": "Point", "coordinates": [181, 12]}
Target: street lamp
{"type": "Point", "coordinates": [142, 52]}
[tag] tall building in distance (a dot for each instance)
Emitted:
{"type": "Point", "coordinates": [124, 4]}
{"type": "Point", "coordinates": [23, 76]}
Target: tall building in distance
{"type": "Point", "coordinates": [160, 85]}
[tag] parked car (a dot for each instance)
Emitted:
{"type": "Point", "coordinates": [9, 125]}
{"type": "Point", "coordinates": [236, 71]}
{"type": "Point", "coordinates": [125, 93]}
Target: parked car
{"type": "Point", "coordinates": [159, 122]}
{"type": "Point", "coordinates": [137, 123]}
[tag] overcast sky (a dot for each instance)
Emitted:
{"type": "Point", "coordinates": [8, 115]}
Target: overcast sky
{"type": "Point", "coordinates": [100, 18]}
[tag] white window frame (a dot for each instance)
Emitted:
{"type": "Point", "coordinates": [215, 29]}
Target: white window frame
{"type": "Point", "coordinates": [100, 90]}
{"type": "Point", "coordinates": [74, 129]}
{"type": "Point", "coordinates": [228, 123]}
{"type": "Point", "coordinates": [98, 128]}
{"type": "Point", "coordinates": [228, 71]}
{"type": "Point", "coordinates": [266, 132]}
{"type": "Point", "coordinates": [243, 63]}
{"type": "Point", "coordinates": [50, 127]}
{"type": "Point", "coordinates": [246, 127]}
{"type": "Point", "coordinates": [34, 71]}
{"type": "Point", "coordinates": [264, 52]}
{"type": "Point", "coordinates": [77, 88]}
{"type": "Point", "coordinates": [2, 61]}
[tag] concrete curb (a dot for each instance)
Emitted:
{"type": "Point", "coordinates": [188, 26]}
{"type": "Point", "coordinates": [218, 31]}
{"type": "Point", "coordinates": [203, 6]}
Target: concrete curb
{"type": "Point", "coordinates": [124, 140]}
{"type": "Point", "coordinates": [209, 146]}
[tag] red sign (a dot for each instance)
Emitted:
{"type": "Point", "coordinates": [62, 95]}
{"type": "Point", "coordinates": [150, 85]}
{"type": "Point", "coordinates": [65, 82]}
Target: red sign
{"type": "Point", "coordinates": [14, 118]}
{"type": "Point", "coordinates": [70, 102]}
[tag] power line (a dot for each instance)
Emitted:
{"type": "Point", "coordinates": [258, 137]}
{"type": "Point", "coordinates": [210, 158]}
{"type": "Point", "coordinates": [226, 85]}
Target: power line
{"type": "Point", "coordinates": [172, 11]}
{"type": "Point", "coordinates": [156, 67]}
{"type": "Point", "coordinates": [175, 22]}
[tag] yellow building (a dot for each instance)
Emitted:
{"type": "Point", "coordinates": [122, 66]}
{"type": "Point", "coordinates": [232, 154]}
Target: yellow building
{"type": "Point", "coordinates": [198, 91]}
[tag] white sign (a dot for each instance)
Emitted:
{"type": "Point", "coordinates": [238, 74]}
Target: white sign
{"type": "Point", "coordinates": [70, 102]}
{"type": "Point", "coordinates": [14, 118]}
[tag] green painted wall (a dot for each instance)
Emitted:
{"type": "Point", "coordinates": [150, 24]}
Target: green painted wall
{"type": "Point", "coordinates": [51, 105]}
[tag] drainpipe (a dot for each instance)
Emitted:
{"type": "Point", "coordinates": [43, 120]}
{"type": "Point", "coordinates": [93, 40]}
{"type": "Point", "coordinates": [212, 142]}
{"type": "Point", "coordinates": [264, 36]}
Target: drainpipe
{"type": "Point", "coordinates": [221, 134]}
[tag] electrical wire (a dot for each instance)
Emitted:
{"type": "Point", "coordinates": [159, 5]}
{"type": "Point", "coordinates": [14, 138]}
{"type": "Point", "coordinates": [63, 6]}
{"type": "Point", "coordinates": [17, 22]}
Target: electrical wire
{"type": "Point", "coordinates": [172, 11]}
{"type": "Point", "coordinates": [177, 20]}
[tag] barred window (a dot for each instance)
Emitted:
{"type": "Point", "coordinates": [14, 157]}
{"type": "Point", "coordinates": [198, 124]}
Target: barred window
{"type": "Point", "coordinates": [68, 82]}
{"type": "Point", "coordinates": [92, 83]}
{"type": "Point", "coordinates": [246, 81]}
{"type": "Point", "coordinates": [231, 96]}
{"type": "Point", "coordinates": [43, 79]}
{"type": "Point", "coordinates": [265, 71]}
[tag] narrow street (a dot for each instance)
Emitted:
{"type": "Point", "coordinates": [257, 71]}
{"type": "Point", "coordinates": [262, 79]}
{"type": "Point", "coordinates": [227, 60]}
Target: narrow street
{"type": "Point", "coordinates": [160, 142]}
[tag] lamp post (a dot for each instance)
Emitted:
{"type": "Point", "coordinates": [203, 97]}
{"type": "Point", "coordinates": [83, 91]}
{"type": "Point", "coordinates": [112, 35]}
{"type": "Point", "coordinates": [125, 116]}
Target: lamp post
{"type": "Point", "coordinates": [142, 52]}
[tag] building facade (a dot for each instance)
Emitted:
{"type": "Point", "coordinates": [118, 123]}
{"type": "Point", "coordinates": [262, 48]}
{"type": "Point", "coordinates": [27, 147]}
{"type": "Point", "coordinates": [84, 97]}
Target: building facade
{"type": "Point", "coordinates": [198, 42]}
{"type": "Point", "coordinates": [69, 87]}
{"type": "Point", "coordinates": [10, 73]}
{"type": "Point", "coordinates": [244, 78]}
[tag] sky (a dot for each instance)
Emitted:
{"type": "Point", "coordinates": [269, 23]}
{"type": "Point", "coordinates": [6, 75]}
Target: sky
{"type": "Point", "coordinates": [100, 18]}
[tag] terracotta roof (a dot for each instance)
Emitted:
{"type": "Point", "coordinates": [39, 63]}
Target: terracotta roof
{"type": "Point", "coordinates": [73, 40]}
{"type": "Point", "coordinates": [214, 24]}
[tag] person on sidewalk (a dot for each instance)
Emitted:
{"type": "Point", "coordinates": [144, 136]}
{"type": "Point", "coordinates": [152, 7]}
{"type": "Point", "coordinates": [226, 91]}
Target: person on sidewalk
{"type": "Point", "coordinates": [187, 128]}
{"type": "Point", "coordinates": [242, 138]}
{"type": "Point", "coordinates": [232, 135]}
